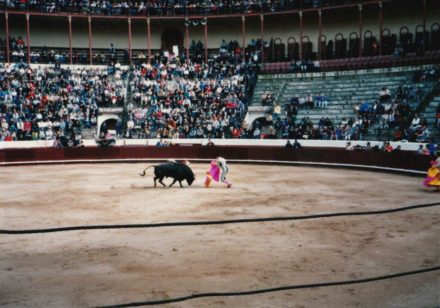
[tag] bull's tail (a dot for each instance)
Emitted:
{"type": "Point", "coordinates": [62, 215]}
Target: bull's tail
{"type": "Point", "coordinates": [143, 173]}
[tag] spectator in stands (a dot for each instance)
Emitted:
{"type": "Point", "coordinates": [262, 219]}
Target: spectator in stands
{"type": "Point", "coordinates": [106, 139]}
{"type": "Point", "coordinates": [431, 147]}
{"type": "Point", "coordinates": [276, 111]}
{"type": "Point", "coordinates": [318, 101]}
{"type": "Point", "coordinates": [293, 68]}
{"type": "Point", "coordinates": [387, 147]}
{"type": "Point", "coordinates": [210, 143]}
{"type": "Point", "coordinates": [420, 150]}
{"type": "Point", "coordinates": [112, 50]}
{"type": "Point", "coordinates": [399, 51]}
{"type": "Point", "coordinates": [416, 122]}
{"type": "Point", "coordinates": [52, 102]}
{"type": "Point", "coordinates": [266, 99]}
{"type": "Point", "coordinates": [316, 66]}
{"type": "Point", "coordinates": [302, 102]}
{"type": "Point", "coordinates": [19, 43]}
{"type": "Point", "coordinates": [57, 142]}
{"type": "Point", "coordinates": [368, 146]}
{"type": "Point", "coordinates": [437, 117]}
{"type": "Point", "coordinates": [324, 101]}
{"type": "Point", "coordinates": [309, 101]}
{"type": "Point", "coordinates": [161, 143]}
{"type": "Point", "coordinates": [424, 135]}
{"type": "Point", "coordinates": [297, 145]}
{"type": "Point", "coordinates": [397, 149]}
{"type": "Point", "coordinates": [168, 8]}
{"type": "Point", "coordinates": [375, 47]}
{"type": "Point", "coordinates": [257, 133]}
{"type": "Point", "coordinates": [384, 94]}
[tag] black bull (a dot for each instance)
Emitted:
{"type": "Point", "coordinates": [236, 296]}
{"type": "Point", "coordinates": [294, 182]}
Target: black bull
{"type": "Point", "coordinates": [177, 171]}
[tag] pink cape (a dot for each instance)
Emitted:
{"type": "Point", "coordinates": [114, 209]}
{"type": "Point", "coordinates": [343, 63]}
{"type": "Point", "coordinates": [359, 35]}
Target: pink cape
{"type": "Point", "coordinates": [214, 171]}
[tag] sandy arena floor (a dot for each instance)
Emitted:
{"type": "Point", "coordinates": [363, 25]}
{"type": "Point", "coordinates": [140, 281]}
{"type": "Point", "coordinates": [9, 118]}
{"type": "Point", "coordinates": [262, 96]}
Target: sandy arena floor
{"type": "Point", "coordinates": [108, 267]}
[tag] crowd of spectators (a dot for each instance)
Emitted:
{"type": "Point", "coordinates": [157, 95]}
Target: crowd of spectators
{"type": "Point", "coordinates": [386, 111]}
{"type": "Point", "coordinates": [292, 128]}
{"type": "Point", "coordinates": [296, 102]}
{"type": "Point", "coordinates": [309, 101]}
{"type": "Point", "coordinates": [112, 55]}
{"type": "Point", "coordinates": [17, 49]}
{"type": "Point", "coordinates": [419, 129]}
{"type": "Point", "coordinates": [394, 110]}
{"type": "Point", "coordinates": [177, 98]}
{"type": "Point", "coordinates": [273, 126]}
{"type": "Point", "coordinates": [429, 148]}
{"type": "Point", "coordinates": [165, 7]}
{"type": "Point", "coordinates": [305, 66]}
{"type": "Point", "coordinates": [51, 103]}
{"type": "Point", "coordinates": [391, 110]}
{"type": "Point", "coordinates": [58, 56]}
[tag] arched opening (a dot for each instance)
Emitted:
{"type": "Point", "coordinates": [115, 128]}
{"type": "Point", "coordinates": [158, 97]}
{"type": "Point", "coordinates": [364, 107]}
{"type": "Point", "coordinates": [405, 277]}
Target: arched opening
{"type": "Point", "coordinates": [322, 41]}
{"type": "Point", "coordinates": [307, 48]}
{"type": "Point", "coordinates": [340, 46]}
{"type": "Point", "coordinates": [108, 125]}
{"type": "Point", "coordinates": [435, 36]}
{"type": "Point", "coordinates": [292, 48]}
{"type": "Point", "coordinates": [258, 122]}
{"type": "Point", "coordinates": [278, 49]}
{"type": "Point", "coordinates": [265, 126]}
{"type": "Point", "coordinates": [353, 45]}
{"type": "Point", "coordinates": [172, 37]}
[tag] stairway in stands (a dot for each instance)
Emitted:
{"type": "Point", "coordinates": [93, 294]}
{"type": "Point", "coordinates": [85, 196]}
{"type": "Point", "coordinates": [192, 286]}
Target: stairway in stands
{"type": "Point", "coordinates": [430, 116]}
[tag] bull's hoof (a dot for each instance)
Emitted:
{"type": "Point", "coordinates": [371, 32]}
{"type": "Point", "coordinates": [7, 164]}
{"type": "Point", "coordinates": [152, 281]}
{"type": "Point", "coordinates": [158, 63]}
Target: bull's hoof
{"type": "Point", "coordinates": [229, 185]}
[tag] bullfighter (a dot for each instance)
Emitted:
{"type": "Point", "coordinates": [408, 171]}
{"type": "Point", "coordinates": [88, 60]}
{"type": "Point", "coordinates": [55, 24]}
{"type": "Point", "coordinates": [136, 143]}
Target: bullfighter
{"type": "Point", "coordinates": [218, 171]}
{"type": "Point", "coordinates": [433, 175]}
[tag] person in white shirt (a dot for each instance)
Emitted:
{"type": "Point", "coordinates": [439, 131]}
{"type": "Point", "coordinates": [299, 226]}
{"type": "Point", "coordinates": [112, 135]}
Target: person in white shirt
{"type": "Point", "coordinates": [415, 122]}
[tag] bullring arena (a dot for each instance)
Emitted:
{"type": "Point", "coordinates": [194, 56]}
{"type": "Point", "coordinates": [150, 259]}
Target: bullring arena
{"type": "Point", "coordinates": [327, 113]}
{"type": "Point", "coordinates": [251, 257]}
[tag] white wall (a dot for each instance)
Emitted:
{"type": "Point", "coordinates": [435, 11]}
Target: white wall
{"type": "Point", "coordinates": [406, 146]}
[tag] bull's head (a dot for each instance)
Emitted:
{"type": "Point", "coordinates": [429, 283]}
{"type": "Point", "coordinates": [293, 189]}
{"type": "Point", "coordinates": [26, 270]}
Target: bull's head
{"type": "Point", "coordinates": [189, 174]}
{"type": "Point", "coordinates": [190, 180]}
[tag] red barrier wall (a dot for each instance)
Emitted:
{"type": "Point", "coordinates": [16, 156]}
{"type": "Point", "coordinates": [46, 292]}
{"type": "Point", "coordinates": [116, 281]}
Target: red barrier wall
{"type": "Point", "coordinates": [401, 160]}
